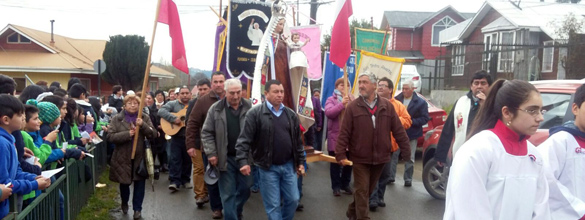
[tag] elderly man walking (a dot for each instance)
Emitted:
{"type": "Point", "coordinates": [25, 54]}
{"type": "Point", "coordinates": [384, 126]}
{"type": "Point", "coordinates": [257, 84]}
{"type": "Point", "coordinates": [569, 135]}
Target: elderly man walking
{"type": "Point", "coordinates": [272, 135]}
{"type": "Point", "coordinates": [221, 129]}
{"type": "Point", "coordinates": [418, 110]}
{"type": "Point", "coordinates": [365, 135]}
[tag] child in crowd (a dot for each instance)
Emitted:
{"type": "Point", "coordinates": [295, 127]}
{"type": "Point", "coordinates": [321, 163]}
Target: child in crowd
{"type": "Point", "coordinates": [50, 117]}
{"type": "Point", "coordinates": [11, 112]}
{"type": "Point", "coordinates": [564, 154]}
{"type": "Point", "coordinates": [84, 121]}
{"type": "Point", "coordinates": [40, 146]}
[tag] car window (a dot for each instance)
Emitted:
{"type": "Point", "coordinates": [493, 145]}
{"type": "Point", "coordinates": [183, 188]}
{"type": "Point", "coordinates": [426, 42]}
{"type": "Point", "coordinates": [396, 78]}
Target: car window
{"type": "Point", "coordinates": [556, 105]}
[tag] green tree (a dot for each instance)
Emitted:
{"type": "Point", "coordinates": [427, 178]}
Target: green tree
{"type": "Point", "coordinates": [125, 58]}
{"type": "Point", "coordinates": [363, 23]}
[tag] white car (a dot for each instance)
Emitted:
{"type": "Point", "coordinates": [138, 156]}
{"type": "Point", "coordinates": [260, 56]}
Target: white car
{"type": "Point", "coordinates": [410, 72]}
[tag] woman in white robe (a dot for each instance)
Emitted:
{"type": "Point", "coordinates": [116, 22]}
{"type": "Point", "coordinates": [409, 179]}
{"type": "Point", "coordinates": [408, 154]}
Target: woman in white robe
{"type": "Point", "coordinates": [497, 173]}
{"type": "Point", "coordinates": [564, 156]}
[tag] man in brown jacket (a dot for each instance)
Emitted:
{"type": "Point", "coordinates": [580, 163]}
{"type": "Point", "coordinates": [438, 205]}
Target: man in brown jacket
{"type": "Point", "coordinates": [367, 123]}
{"type": "Point", "coordinates": [194, 149]}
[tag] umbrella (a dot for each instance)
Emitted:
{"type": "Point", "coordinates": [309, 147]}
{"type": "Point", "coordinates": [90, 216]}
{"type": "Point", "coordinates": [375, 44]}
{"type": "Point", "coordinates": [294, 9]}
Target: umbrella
{"type": "Point", "coordinates": [150, 165]}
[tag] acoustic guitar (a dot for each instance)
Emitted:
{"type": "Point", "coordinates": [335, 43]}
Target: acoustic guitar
{"type": "Point", "coordinates": [170, 128]}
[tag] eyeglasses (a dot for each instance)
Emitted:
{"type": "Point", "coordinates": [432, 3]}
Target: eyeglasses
{"type": "Point", "coordinates": [534, 112]}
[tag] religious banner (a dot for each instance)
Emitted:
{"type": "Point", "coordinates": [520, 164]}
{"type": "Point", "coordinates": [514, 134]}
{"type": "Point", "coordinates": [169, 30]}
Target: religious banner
{"type": "Point", "coordinates": [305, 104]}
{"type": "Point", "coordinates": [246, 25]}
{"type": "Point", "coordinates": [331, 72]}
{"type": "Point", "coordinates": [219, 52]}
{"type": "Point", "coordinates": [310, 38]}
{"type": "Point", "coordinates": [381, 66]}
{"type": "Point", "coordinates": [370, 41]}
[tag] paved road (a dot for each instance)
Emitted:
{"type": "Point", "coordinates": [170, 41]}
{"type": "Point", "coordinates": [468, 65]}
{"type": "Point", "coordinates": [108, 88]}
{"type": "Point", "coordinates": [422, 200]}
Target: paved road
{"type": "Point", "coordinates": [402, 203]}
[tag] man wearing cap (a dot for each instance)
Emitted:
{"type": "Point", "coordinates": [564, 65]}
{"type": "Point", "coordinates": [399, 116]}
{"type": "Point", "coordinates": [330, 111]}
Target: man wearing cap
{"type": "Point", "coordinates": [218, 137]}
{"type": "Point", "coordinates": [272, 136]}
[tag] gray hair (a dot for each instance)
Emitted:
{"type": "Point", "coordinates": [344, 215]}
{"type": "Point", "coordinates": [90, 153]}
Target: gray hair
{"type": "Point", "coordinates": [373, 78]}
{"type": "Point", "coordinates": [409, 82]}
{"type": "Point", "coordinates": [232, 82]}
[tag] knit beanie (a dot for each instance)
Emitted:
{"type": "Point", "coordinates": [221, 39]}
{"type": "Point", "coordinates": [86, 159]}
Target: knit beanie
{"type": "Point", "coordinates": [48, 112]}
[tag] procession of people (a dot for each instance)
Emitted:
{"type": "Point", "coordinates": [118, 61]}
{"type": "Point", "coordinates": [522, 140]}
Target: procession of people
{"type": "Point", "coordinates": [225, 143]}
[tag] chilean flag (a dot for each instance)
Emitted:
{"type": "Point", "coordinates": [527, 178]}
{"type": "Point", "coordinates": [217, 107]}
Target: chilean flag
{"type": "Point", "coordinates": [340, 48]}
{"type": "Point", "coordinates": [169, 14]}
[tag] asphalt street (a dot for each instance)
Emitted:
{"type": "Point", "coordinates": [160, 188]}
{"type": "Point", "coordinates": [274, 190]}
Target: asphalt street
{"type": "Point", "coordinates": [402, 202]}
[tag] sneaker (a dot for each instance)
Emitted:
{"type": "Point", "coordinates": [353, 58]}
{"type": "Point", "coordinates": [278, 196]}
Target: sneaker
{"type": "Point", "coordinates": [188, 185]}
{"type": "Point", "coordinates": [217, 214]}
{"type": "Point", "coordinates": [137, 215]}
{"type": "Point", "coordinates": [381, 204]}
{"type": "Point", "coordinates": [201, 201]}
{"type": "Point", "coordinates": [300, 207]}
{"type": "Point", "coordinates": [373, 206]}
{"type": "Point", "coordinates": [390, 182]}
{"type": "Point", "coordinates": [173, 187]}
{"type": "Point", "coordinates": [336, 192]}
{"type": "Point", "coordinates": [408, 184]}
{"type": "Point", "coordinates": [125, 209]}
{"type": "Point", "coordinates": [347, 190]}
{"type": "Point", "coordinates": [254, 189]}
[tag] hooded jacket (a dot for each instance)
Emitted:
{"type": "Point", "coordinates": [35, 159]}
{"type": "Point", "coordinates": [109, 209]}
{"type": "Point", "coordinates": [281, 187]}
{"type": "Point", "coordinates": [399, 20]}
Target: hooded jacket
{"type": "Point", "coordinates": [10, 171]}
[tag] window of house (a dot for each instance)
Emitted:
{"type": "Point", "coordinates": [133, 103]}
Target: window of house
{"type": "Point", "coordinates": [87, 84]}
{"type": "Point", "coordinates": [440, 25]}
{"type": "Point", "coordinates": [16, 38]}
{"type": "Point", "coordinates": [20, 84]}
{"type": "Point", "coordinates": [153, 86]}
{"type": "Point", "coordinates": [506, 56]}
{"type": "Point", "coordinates": [548, 56]}
{"type": "Point", "coordinates": [458, 60]}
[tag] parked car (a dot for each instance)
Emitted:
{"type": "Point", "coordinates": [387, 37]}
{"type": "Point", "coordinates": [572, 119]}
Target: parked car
{"type": "Point", "coordinates": [437, 115]}
{"type": "Point", "coordinates": [410, 72]}
{"type": "Point", "coordinates": [557, 97]}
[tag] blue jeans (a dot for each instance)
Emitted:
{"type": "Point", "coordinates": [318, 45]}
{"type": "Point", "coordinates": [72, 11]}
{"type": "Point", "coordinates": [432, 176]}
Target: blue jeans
{"type": "Point", "coordinates": [378, 193]}
{"type": "Point", "coordinates": [340, 175]}
{"type": "Point", "coordinates": [256, 185]}
{"type": "Point", "coordinates": [234, 189]}
{"type": "Point", "coordinates": [137, 195]}
{"type": "Point", "coordinates": [408, 165]}
{"type": "Point", "coordinates": [213, 191]}
{"type": "Point", "coordinates": [180, 163]}
{"type": "Point", "coordinates": [279, 183]}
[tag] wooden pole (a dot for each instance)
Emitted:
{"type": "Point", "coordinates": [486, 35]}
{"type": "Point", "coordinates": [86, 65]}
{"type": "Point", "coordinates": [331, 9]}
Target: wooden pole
{"type": "Point", "coordinates": [249, 89]}
{"type": "Point", "coordinates": [384, 42]}
{"type": "Point", "coordinates": [220, 1]}
{"type": "Point", "coordinates": [145, 82]}
{"type": "Point", "coordinates": [294, 19]}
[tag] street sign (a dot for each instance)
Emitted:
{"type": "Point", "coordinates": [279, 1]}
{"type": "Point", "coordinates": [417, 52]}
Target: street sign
{"type": "Point", "coordinates": [99, 66]}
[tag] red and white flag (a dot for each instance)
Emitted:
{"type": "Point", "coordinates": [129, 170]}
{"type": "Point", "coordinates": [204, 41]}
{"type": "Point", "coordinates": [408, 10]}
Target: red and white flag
{"type": "Point", "coordinates": [340, 48]}
{"type": "Point", "coordinates": [169, 14]}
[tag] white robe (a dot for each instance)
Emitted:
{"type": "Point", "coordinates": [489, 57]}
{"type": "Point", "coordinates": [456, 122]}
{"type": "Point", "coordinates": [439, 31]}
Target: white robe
{"type": "Point", "coordinates": [565, 163]}
{"type": "Point", "coordinates": [485, 182]}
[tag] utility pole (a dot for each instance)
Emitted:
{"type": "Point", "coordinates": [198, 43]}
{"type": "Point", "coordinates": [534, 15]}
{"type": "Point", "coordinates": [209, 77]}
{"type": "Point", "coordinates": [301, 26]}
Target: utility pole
{"type": "Point", "coordinates": [314, 7]}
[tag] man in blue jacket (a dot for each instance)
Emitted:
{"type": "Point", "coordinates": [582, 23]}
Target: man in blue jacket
{"type": "Point", "coordinates": [419, 113]}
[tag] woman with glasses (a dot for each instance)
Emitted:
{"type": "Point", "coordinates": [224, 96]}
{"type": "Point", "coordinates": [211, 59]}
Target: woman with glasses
{"type": "Point", "coordinates": [497, 173]}
{"type": "Point", "coordinates": [124, 168]}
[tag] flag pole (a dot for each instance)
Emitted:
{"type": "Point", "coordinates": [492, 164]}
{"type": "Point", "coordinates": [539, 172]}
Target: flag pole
{"type": "Point", "coordinates": [384, 41]}
{"type": "Point", "coordinates": [145, 82]}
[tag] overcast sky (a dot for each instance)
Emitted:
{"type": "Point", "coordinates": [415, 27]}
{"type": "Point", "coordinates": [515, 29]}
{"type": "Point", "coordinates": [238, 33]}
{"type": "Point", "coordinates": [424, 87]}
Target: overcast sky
{"type": "Point", "coordinates": [85, 19]}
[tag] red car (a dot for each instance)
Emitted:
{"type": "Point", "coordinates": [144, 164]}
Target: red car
{"type": "Point", "coordinates": [557, 98]}
{"type": "Point", "coordinates": [437, 115]}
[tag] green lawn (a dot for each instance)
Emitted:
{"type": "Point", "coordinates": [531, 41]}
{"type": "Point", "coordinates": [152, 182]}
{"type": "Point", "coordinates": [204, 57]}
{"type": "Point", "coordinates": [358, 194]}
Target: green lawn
{"type": "Point", "coordinates": [102, 201]}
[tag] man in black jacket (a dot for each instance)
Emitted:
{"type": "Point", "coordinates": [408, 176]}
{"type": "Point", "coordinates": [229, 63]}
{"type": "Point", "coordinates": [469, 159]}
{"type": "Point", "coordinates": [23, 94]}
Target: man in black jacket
{"type": "Point", "coordinates": [266, 125]}
{"type": "Point", "coordinates": [455, 131]}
